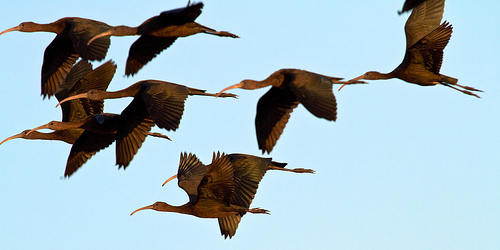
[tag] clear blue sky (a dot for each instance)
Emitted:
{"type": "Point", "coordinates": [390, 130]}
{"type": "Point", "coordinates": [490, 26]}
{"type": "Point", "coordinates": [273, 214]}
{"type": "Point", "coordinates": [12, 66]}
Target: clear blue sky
{"type": "Point", "coordinates": [403, 167]}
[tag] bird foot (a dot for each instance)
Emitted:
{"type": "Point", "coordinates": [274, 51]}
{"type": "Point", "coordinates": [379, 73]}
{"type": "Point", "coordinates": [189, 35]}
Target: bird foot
{"type": "Point", "coordinates": [303, 170]}
{"type": "Point", "coordinates": [258, 211]}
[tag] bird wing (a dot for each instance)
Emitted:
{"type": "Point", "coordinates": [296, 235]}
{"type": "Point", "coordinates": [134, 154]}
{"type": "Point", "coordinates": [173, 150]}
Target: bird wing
{"type": "Point", "coordinates": [431, 47]}
{"type": "Point", "coordinates": [98, 78]}
{"type": "Point", "coordinates": [423, 20]}
{"type": "Point", "coordinates": [410, 4]}
{"type": "Point", "coordinates": [177, 16]}
{"type": "Point", "coordinates": [133, 127]}
{"type": "Point", "coordinates": [89, 143]}
{"type": "Point", "coordinates": [72, 110]}
{"type": "Point", "coordinates": [165, 103]}
{"type": "Point", "coordinates": [228, 225]}
{"type": "Point", "coordinates": [58, 59]}
{"type": "Point", "coordinates": [190, 174]}
{"type": "Point", "coordinates": [314, 91]}
{"type": "Point", "coordinates": [218, 181]}
{"type": "Point", "coordinates": [273, 112]}
{"type": "Point", "coordinates": [81, 31]}
{"type": "Point", "coordinates": [144, 49]}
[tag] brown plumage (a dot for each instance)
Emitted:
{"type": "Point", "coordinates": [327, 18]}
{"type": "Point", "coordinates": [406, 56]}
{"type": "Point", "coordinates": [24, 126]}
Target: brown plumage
{"type": "Point", "coordinates": [224, 189]}
{"type": "Point", "coordinates": [409, 5]}
{"type": "Point", "coordinates": [80, 79]}
{"type": "Point", "coordinates": [163, 101]}
{"type": "Point", "coordinates": [289, 88]}
{"type": "Point", "coordinates": [425, 42]}
{"type": "Point", "coordinates": [73, 34]}
{"type": "Point", "coordinates": [160, 32]}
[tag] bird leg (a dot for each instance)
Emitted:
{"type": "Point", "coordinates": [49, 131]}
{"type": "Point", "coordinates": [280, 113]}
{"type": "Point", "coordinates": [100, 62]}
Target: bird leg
{"type": "Point", "coordinates": [221, 33]}
{"type": "Point", "coordinates": [295, 170]}
{"type": "Point", "coordinates": [155, 134]}
{"type": "Point", "coordinates": [463, 91]}
{"type": "Point", "coordinates": [216, 95]}
{"type": "Point", "coordinates": [258, 211]}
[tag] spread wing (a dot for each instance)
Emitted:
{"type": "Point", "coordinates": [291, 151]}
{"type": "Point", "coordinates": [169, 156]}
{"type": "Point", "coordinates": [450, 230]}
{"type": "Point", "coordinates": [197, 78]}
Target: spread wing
{"type": "Point", "coordinates": [273, 112]}
{"type": "Point", "coordinates": [431, 47]}
{"type": "Point", "coordinates": [218, 181]}
{"type": "Point", "coordinates": [190, 174]}
{"type": "Point", "coordinates": [165, 103]}
{"type": "Point", "coordinates": [58, 59]}
{"type": "Point", "coordinates": [314, 91]}
{"type": "Point", "coordinates": [82, 30]}
{"type": "Point", "coordinates": [133, 127]}
{"type": "Point", "coordinates": [144, 49]}
{"type": "Point", "coordinates": [425, 18]}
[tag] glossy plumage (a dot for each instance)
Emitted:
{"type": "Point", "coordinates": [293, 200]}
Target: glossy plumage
{"type": "Point", "coordinates": [224, 189]}
{"type": "Point", "coordinates": [163, 101]}
{"type": "Point", "coordinates": [289, 88]}
{"type": "Point", "coordinates": [160, 32]}
{"type": "Point", "coordinates": [73, 34]}
{"type": "Point", "coordinates": [426, 39]}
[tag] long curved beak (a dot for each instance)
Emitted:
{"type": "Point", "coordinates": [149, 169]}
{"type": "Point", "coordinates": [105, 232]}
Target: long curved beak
{"type": "Point", "coordinates": [20, 135]}
{"type": "Point", "coordinates": [354, 81]}
{"type": "Point", "coordinates": [228, 88]}
{"type": "Point", "coordinates": [142, 208]}
{"type": "Point", "coordinates": [169, 179]}
{"type": "Point", "coordinates": [38, 128]}
{"type": "Point", "coordinates": [11, 29]}
{"type": "Point", "coordinates": [83, 95]}
{"type": "Point", "coordinates": [107, 33]}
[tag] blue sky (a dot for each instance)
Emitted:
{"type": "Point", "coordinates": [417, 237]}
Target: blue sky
{"type": "Point", "coordinates": [404, 166]}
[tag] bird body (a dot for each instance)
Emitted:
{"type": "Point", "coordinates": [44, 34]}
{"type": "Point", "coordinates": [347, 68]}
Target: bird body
{"type": "Point", "coordinates": [158, 33]}
{"type": "Point", "coordinates": [290, 87]}
{"type": "Point", "coordinates": [426, 39]}
{"type": "Point", "coordinates": [223, 190]}
{"type": "Point", "coordinates": [163, 101]}
{"type": "Point", "coordinates": [73, 34]}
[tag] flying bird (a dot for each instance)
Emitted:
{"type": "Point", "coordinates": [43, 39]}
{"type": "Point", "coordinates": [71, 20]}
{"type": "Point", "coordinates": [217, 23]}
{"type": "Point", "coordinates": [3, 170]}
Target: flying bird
{"type": "Point", "coordinates": [426, 39]}
{"type": "Point", "coordinates": [223, 190]}
{"type": "Point", "coordinates": [160, 32]}
{"type": "Point", "coordinates": [71, 42]}
{"type": "Point", "coordinates": [80, 79]}
{"type": "Point", "coordinates": [289, 88]}
{"type": "Point", "coordinates": [163, 101]}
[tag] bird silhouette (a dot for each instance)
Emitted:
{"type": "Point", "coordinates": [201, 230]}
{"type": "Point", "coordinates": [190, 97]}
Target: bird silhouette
{"type": "Point", "coordinates": [289, 88]}
{"type": "Point", "coordinates": [224, 189]}
{"type": "Point", "coordinates": [425, 42]}
{"type": "Point", "coordinates": [160, 32]}
{"type": "Point", "coordinates": [73, 34]}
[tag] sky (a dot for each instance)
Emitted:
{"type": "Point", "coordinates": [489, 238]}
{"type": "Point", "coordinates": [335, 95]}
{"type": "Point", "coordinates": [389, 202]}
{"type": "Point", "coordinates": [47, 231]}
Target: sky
{"type": "Point", "coordinates": [403, 167]}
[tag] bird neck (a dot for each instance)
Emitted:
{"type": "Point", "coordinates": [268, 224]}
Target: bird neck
{"type": "Point", "coordinates": [55, 27]}
{"type": "Point", "coordinates": [55, 136]}
{"type": "Point", "coordinates": [130, 91]}
{"type": "Point", "coordinates": [123, 30]}
{"type": "Point", "coordinates": [183, 209]}
{"type": "Point", "coordinates": [380, 76]}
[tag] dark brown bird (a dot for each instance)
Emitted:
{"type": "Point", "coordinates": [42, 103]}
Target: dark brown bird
{"type": "Point", "coordinates": [289, 88]}
{"type": "Point", "coordinates": [425, 42]}
{"type": "Point", "coordinates": [80, 79]}
{"type": "Point", "coordinates": [409, 5]}
{"type": "Point", "coordinates": [223, 190]}
{"type": "Point", "coordinates": [160, 32]}
{"type": "Point", "coordinates": [73, 34]}
{"type": "Point", "coordinates": [163, 101]}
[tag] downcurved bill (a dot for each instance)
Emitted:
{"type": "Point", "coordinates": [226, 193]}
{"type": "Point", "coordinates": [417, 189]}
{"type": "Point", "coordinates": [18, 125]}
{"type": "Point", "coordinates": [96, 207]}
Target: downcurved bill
{"type": "Point", "coordinates": [228, 88]}
{"type": "Point", "coordinates": [38, 128]}
{"type": "Point", "coordinates": [142, 208]}
{"type": "Point", "coordinates": [354, 81]}
{"type": "Point", "coordinates": [20, 135]}
{"type": "Point", "coordinates": [84, 95]}
{"type": "Point", "coordinates": [107, 33]}
{"type": "Point", "coordinates": [11, 29]}
{"type": "Point", "coordinates": [169, 179]}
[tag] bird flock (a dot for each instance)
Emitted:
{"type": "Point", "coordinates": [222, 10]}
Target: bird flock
{"type": "Point", "coordinates": [225, 188]}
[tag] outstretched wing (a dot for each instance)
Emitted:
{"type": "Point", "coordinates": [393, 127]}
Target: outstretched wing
{"type": "Point", "coordinates": [144, 49]}
{"type": "Point", "coordinates": [425, 18]}
{"type": "Point", "coordinates": [165, 103]}
{"type": "Point", "coordinates": [314, 91]}
{"type": "Point", "coordinates": [431, 47]}
{"type": "Point", "coordinates": [273, 112]}
{"type": "Point", "coordinates": [82, 30]}
{"type": "Point", "coordinates": [218, 181]}
{"type": "Point", "coordinates": [190, 174]}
